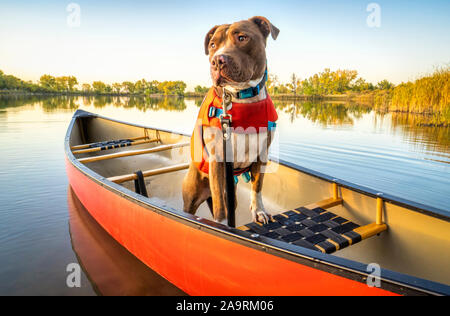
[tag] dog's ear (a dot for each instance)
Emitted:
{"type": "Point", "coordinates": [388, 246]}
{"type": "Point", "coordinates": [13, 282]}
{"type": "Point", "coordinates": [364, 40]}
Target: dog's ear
{"type": "Point", "coordinates": [208, 38]}
{"type": "Point", "coordinates": [265, 26]}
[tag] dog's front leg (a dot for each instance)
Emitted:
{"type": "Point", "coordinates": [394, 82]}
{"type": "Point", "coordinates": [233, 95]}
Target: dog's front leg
{"type": "Point", "coordinates": [213, 142]}
{"type": "Point", "coordinates": [217, 185]}
{"type": "Point", "coordinates": [256, 206]}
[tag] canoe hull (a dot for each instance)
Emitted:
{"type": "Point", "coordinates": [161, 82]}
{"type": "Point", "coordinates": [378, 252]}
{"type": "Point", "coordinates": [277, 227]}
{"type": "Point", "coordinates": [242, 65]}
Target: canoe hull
{"type": "Point", "coordinates": [200, 262]}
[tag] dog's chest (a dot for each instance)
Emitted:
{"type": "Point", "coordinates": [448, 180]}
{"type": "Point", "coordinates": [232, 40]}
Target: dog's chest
{"type": "Point", "coordinates": [249, 148]}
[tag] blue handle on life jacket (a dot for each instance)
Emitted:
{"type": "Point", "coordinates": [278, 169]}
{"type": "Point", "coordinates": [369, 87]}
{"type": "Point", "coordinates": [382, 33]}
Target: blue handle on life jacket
{"type": "Point", "coordinates": [271, 125]}
{"type": "Point", "coordinates": [246, 176]}
{"type": "Point", "coordinates": [214, 112]}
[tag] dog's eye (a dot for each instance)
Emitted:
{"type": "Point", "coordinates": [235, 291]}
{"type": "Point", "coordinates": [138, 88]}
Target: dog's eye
{"type": "Point", "coordinates": [242, 38]}
{"type": "Point", "coordinates": [213, 45]}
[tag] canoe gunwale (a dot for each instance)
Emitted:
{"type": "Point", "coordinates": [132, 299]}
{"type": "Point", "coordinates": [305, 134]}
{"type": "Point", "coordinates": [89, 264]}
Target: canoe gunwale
{"type": "Point", "coordinates": [390, 280]}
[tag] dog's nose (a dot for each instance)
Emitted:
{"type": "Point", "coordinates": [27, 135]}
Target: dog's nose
{"type": "Point", "coordinates": [220, 61]}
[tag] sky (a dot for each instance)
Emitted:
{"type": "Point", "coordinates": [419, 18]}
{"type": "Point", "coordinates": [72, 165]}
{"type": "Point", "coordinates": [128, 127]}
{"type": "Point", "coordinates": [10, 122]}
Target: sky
{"type": "Point", "coordinates": [118, 41]}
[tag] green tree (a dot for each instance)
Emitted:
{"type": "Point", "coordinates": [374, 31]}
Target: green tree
{"type": "Point", "coordinates": [200, 89]}
{"type": "Point", "coordinates": [117, 87]}
{"type": "Point", "coordinates": [385, 85]}
{"type": "Point", "coordinates": [2, 80]}
{"type": "Point", "coordinates": [272, 84]}
{"type": "Point", "coordinates": [86, 87]}
{"type": "Point", "coordinates": [140, 86]}
{"type": "Point", "coordinates": [128, 87]}
{"type": "Point", "coordinates": [99, 87]}
{"type": "Point", "coordinates": [172, 87]}
{"type": "Point", "coordinates": [61, 84]}
{"type": "Point", "coordinates": [71, 83]}
{"type": "Point", "coordinates": [361, 85]}
{"type": "Point", "coordinates": [48, 82]}
{"type": "Point", "coordinates": [294, 84]}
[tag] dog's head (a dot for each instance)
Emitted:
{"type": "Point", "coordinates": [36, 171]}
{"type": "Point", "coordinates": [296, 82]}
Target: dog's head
{"type": "Point", "coordinates": [237, 52]}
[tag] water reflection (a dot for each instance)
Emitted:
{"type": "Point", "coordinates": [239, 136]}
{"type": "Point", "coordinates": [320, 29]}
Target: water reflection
{"type": "Point", "coordinates": [138, 102]}
{"type": "Point", "coordinates": [415, 128]}
{"type": "Point", "coordinates": [325, 113]}
{"type": "Point", "coordinates": [50, 103]}
{"type": "Point", "coordinates": [59, 102]}
{"type": "Point", "coordinates": [111, 269]}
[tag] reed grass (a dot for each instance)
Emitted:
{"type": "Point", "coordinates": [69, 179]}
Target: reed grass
{"type": "Point", "coordinates": [428, 96]}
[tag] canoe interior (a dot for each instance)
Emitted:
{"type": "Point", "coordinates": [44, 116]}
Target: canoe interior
{"type": "Point", "coordinates": [415, 243]}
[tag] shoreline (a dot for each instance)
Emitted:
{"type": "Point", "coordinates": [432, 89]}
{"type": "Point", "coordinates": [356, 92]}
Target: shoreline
{"type": "Point", "coordinates": [282, 97]}
{"type": "Point", "coordinates": [371, 100]}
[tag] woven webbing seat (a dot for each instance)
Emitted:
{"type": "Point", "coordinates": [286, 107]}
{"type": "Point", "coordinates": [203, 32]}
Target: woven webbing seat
{"type": "Point", "coordinates": [316, 229]}
{"type": "Point", "coordinates": [112, 144]}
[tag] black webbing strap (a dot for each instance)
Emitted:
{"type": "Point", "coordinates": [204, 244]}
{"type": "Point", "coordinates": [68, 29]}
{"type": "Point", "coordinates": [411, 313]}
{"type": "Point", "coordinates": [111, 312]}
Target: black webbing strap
{"type": "Point", "coordinates": [111, 144]}
{"type": "Point", "coordinates": [139, 184]}
{"type": "Point", "coordinates": [225, 122]}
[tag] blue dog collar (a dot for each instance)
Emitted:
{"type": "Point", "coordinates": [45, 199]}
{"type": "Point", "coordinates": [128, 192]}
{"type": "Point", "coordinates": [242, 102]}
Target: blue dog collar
{"type": "Point", "coordinates": [252, 91]}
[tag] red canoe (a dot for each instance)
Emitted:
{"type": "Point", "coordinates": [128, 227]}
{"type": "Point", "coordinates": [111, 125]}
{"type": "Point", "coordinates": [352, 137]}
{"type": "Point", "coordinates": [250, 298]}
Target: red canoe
{"type": "Point", "coordinates": [328, 237]}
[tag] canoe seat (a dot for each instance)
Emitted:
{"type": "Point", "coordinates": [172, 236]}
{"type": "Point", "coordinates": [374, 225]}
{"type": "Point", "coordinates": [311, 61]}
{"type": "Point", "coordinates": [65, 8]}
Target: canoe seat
{"type": "Point", "coordinates": [111, 144]}
{"type": "Point", "coordinates": [316, 229]}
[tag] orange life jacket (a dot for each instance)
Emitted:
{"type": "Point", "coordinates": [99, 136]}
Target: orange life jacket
{"type": "Point", "coordinates": [246, 118]}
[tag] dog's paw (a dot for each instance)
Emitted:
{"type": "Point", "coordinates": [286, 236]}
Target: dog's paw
{"type": "Point", "coordinates": [260, 216]}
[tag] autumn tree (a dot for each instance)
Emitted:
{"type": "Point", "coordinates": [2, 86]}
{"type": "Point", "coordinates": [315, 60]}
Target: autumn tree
{"type": "Point", "coordinates": [172, 87]}
{"type": "Point", "coordinates": [61, 84]}
{"type": "Point", "coordinates": [128, 87]}
{"type": "Point", "coordinates": [48, 82]}
{"type": "Point", "coordinates": [71, 83]}
{"type": "Point", "coordinates": [140, 86]}
{"type": "Point", "coordinates": [117, 87]}
{"type": "Point", "coordinates": [99, 87]}
{"type": "Point", "coordinates": [86, 87]}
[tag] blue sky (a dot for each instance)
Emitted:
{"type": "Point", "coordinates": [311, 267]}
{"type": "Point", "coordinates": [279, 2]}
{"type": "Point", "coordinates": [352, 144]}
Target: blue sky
{"type": "Point", "coordinates": [163, 40]}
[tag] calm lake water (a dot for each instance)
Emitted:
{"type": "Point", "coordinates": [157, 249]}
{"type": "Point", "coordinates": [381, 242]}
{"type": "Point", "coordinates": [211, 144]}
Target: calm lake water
{"type": "Point", "coordinates": [43, 226]}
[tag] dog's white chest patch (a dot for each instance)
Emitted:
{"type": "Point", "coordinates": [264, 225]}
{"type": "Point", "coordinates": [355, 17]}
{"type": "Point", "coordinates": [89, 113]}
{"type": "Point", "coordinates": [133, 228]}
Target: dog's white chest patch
{"type": "Point", "coordinates": [248, 147]}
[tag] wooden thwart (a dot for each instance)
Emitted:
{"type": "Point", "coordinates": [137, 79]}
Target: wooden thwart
{"type": "Point", "coordinates": [327, 203]}
{"type": "Point", "coordinates": [370, 230]}
{"type": "Point", "coordinates": [149, 173]}
{"type": "Point", "coordinates": [133, 153]}
{"type": "Point", "coordinates": [87, 145]}
{"type": "Point", "coordinates": [95, 149]}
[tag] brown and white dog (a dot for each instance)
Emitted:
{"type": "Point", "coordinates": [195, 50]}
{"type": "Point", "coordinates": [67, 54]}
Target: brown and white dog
{"type": "Point", "coordinates": [238, 61]}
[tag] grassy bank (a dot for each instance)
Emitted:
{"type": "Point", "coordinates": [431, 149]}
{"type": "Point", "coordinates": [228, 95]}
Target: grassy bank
{"type": "Point", "coordinates": [428, 96]}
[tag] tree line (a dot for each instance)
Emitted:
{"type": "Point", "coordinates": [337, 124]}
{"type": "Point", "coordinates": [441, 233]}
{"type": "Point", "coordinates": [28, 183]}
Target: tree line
{"type": "Point", "coordinates": [323, 83]}
{"type": "Point", "coordinates": [69, 84]}
{"type": "Point", "coordinates": [429, 94]}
